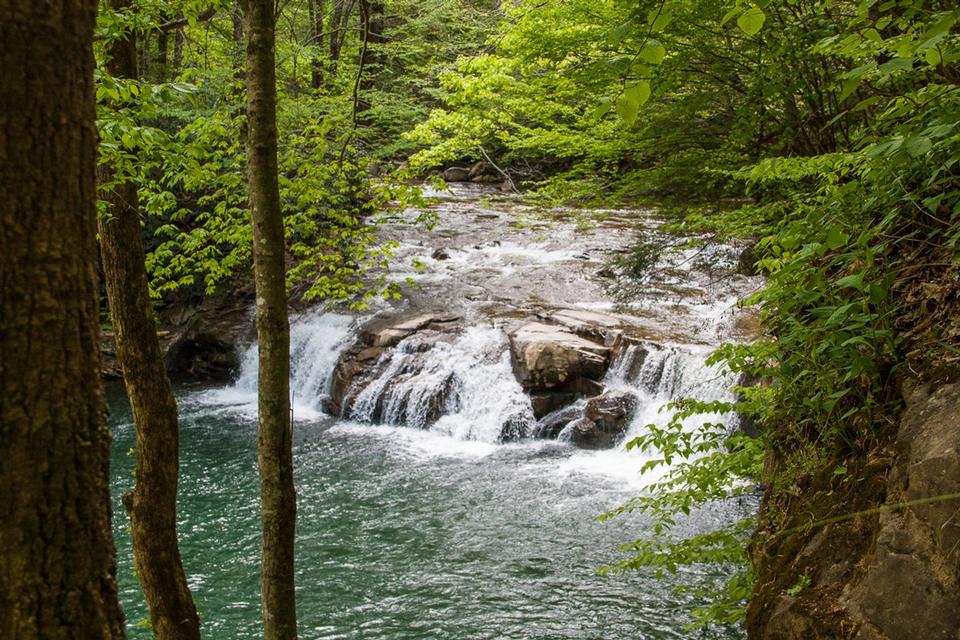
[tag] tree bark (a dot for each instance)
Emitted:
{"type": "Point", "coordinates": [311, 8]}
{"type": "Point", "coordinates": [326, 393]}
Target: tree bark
{"type": "Point", "coordinates": [371, 57]}
{"type": "Point", "coordinates": [153, 507]}
{"type": "Point", "coordinates": [57, 557]}
{"type": "Point", "coordinates": [315, 9]}
{"type": "Point", "coordinates": [274, 446]}
{"type": "Point", "coordinates": [337, 28]}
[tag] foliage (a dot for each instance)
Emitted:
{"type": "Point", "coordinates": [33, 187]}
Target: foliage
{"type": "Point", "coordinates": [181, 139]}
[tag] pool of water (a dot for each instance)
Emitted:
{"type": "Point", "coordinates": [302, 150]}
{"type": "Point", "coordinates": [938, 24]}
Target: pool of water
{"type": "Point", "coordinates": [407, 534]}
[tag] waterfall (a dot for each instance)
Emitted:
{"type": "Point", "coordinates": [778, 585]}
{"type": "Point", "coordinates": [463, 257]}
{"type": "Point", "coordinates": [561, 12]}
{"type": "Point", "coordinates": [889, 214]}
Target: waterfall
{"type": "Point", "coordinates": [464, 388]}
{"type": "Point", "coordinates": [658, 375]}
{"type": "Point", "coordinates": [316, 342]}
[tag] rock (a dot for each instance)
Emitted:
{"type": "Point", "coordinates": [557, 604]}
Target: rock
{"type": "Point", "coordinates": [361, 363]}
{"type": "Point", "coordinates": [483, 169]}
{"type": "Point", "coordinates": [550, 426]}
{"type": "Point", "coordinates": [586, 323]}
{"type": "Point", "coordinates": [891, 575]}
{"type": "Point", "coordinates": [485, 180]}
{"type": "Point", "coordinates": [456, 174]}
{"type": "Point", "coordinates": [747, 262]}
{"type": "Point", "coordinates": [387, 332]}
{"type": "Point", "coordinates": [605, 420]}
{"type": "Point", "coordinates": [202, 354]}
{"type": "Point", "coordinates": [909, 586]}
{"type": "Point", "coordinates": [440, 254]}
{"type": "Point", "coordinates": [611, 411]}
{"type": "Point", "coordinates": [547, 356]}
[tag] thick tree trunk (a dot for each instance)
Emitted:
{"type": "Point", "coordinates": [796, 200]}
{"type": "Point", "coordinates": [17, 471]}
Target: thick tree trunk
{"type": "Point", "coordinates": [57, 558]}
{"type": "Point", "coordinates": [274, 446]}
{"type": "Point", "coordinates": [153, 508]}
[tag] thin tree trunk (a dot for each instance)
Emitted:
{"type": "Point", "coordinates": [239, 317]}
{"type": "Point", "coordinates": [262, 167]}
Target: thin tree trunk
{"type": "Point", "coordinates": [57, 557]}
{"type": "Point", "coordinates": [178, 42]}
{"type": "Point", "coordinates": [315, 8]}
{"type": "Point", "coordinates": [371, 57]}
{"type": "Point", "coordinates": [162, 49]}
{"type": "Point", "coordinates": [336, 33]}
{"type": "Point", "coordinates": [274, 448]}
{"type": "Point", "coordinates": [153, 506]}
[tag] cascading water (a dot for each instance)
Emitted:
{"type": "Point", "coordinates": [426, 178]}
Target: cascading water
{"type": "Point", "coordinates": [316, 341]}
{"type": "Point", "coordinates": [464, 388]}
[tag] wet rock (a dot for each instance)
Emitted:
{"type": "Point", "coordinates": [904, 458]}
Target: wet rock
{"type": "Point", "coordinates": [747, 262]}
{"type": "Point", "coordinates": [547, 356]}
{"type": "Point", "coordinates": [200, 353]}
{"type": "Point", "coordinates": [361, 363]}
{"type": "Point", "coordinates": [589, 324]}
{"type": "Point", "coordinates": [456, 174]}
{"type": "Point", "coordinates": [387, 332]}
{"type": "Point", "coordinates": [611, 411]}
{"type": "Point", "coordinates": [485, 180]}
{"type": "Point", "coordinates": [440, 254]}
{"type": "Point", "coordinates": [550, 426]}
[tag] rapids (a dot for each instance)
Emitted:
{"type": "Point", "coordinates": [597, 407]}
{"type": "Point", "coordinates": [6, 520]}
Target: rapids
{"type": "Point", "coordinates": [415, 520]}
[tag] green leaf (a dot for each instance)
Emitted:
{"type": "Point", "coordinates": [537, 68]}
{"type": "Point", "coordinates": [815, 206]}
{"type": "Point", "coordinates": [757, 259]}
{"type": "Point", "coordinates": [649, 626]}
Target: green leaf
{"type": "Point", "coordinates": [653, 52]}
{"type": "Point", "coordinates": [658, 19]}
{"type": "Point", "coordinates": [933, 57]}
{"type": "Point", "coordinates": [639, 93]}
{"type": "Point", "coordinates": [751, 21]}
{"type": "Point", "coordinates": [627, 109]}
{"type": "Point", "coordinates": [918, 146]}
{"type": "Point", "coordinates": [836, 238]}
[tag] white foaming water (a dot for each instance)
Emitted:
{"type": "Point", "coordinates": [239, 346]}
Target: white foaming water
{"type": "Point", "coordinates": [316, 341]}
{"type": "Point", "coordinates": [458, 396]}
{"type": "Point", "coordinates": [655, 376]}
{"type": "Point", "coordinates": [464, 389]}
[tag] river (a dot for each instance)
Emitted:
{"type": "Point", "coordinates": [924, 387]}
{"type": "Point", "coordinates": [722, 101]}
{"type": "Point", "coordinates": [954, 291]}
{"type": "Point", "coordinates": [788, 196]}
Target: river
{"type": "Point", "coordinates": [445, 532]}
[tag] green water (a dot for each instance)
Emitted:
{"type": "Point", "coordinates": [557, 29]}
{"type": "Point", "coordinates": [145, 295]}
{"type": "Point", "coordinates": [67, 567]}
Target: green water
{"type": "Point", "coordinates": [407, 535]}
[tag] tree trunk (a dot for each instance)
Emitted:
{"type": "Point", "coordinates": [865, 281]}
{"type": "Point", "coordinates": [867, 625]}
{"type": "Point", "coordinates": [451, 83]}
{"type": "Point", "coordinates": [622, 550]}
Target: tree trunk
{"type": "Point", "coordinates": [153, 508]}
{"type": "Point", "coordinates": [337, 27]}
{"type": "Point", "coordinates": [162, 48]}
{"type": "Point", "coordinates": [274, 447]}
{"type": "Point", "coordinates": [316, 40]}
{"type": "Point", "coordinates": [371, 57]}
{"type": "Point", "coordinates": [57, 558]}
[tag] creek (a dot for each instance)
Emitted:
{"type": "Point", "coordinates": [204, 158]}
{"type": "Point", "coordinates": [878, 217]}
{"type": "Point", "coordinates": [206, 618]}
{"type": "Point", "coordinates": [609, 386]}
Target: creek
{"type": "Point", "coordinates": [418, 518]}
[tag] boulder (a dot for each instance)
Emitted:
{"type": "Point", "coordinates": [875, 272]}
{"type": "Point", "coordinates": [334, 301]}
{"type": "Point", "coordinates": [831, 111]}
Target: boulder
{"type": "Point", "coordinates": [440, 254]}
{"type": "Point", "coordinates": [485, 180]}
{"type": "Point", "coordinates": [546, 357]}
{"type": "Point", "coordinates": [359, 365]}
{"type": "Point", "coordinates": [456, 174]}
{"type": "Point", "coordinates": [605, 420]}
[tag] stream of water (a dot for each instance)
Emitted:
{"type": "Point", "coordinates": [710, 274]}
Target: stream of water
{"type": "Point", "coordinates": [417, 529]}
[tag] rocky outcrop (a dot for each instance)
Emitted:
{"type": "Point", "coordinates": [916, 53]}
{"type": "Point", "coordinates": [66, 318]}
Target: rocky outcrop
{"type": "Point", "coordinates": [199, 342]}
{"type": "Point", "coordinates": [359, 364]}
{"type": "Point", "coordinates": [392, 374]}
{"type": "Point", "coordinates": [555, 365]}
{"type": "Point", "coordinates": [889, 569]}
